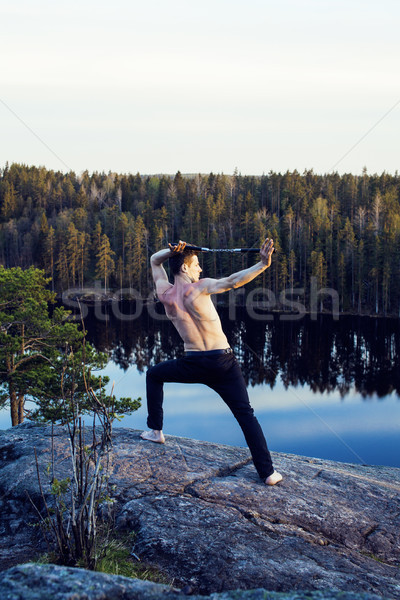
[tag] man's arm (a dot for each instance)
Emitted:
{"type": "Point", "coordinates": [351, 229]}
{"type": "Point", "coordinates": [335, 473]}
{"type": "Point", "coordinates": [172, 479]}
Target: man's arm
{"type": "Point", "coordinates": [236, 280]}
{"type": "Point", "coordinates": [158, 272]}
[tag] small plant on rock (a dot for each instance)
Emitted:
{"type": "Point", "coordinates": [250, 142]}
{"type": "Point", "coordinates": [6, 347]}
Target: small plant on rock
{"type": "Point", "coordinates": [78, 513]}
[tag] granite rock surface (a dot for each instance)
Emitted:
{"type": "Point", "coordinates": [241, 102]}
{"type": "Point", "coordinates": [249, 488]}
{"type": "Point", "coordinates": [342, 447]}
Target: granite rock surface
{"type": "Point", "coordinates": [51, 582]}
{"type": "Point", "coordinates": [201, 514]}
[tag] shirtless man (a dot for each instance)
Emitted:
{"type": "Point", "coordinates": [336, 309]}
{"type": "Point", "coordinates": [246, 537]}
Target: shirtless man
{"type": "Point", "coordinates": [208, 358]}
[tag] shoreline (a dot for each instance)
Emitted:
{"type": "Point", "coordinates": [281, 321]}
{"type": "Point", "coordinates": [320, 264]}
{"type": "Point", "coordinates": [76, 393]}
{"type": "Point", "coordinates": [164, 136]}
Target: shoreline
{"type": "Point", "coordinates": [108, 298]}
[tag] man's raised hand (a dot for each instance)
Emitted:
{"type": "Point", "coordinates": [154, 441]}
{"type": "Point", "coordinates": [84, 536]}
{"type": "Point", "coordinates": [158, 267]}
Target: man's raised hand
{"type": "Point", "coordinates": [266, 251]}
{"type": "Point", "coordinates": [179, 247]}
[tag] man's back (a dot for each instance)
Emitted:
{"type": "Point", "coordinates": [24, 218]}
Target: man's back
{"type": "Point", "coordinates": [194, 315]}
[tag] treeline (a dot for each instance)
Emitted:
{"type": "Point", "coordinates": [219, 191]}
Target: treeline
{"type": "Point", "coordinates": [344, 230]}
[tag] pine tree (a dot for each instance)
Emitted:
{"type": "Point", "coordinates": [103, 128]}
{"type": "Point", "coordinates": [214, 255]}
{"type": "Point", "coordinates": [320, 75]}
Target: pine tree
{"type": "Point", "coordinates": [342, 279]}
{"type": "Point", "coordinates": [29, 337]}
{"type": "Point", "coordinates": [283, 273]}
{"type": "Point", "coordinates": [62, 266]}
{"type": "Point", "coordinates": [318, 270]}
{"type": "Point", "coordinates": [120, 272]}
{"type": "Point", "coordinates": [292, 268]}
{"type": "Point", "coordinates": [96, 240]}
{"type": "Point", "coordinates": [347, 238]}
{"type": "Point", "coordinates": [123, 228]}
{"type": "Point", "coordinates": [83, 242]}
{"type": "Point", "coordinates": [49, 246]}
{"type": "Point", "coordinates": [130, 256]}
{"type": "Point", "coordinates": [360, 275]}
{"type": "Point", "coordinates": [9, 204]}
{"type": "Point", "coordinates": [105, 264]}
{"type": "Point", "coordinates": [139, 245]}
{"type": "Point", "coordinates": [72, 251]}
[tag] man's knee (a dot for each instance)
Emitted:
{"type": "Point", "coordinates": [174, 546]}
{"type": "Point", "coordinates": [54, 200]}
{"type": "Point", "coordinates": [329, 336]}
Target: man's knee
{"type": "Point", "coordinates": [243, 411]}
{"type": "Point", "coordinates": [151, 374]}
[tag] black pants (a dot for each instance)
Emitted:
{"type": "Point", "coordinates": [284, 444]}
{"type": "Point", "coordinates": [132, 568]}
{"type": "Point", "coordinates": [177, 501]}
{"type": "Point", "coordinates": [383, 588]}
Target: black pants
{"type": "Point", "coordinates": [222, 373]}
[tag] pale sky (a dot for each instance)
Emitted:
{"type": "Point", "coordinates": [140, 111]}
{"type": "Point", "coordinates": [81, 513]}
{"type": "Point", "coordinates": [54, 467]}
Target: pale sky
{"type": "Point", "coordinates": [158, 86]}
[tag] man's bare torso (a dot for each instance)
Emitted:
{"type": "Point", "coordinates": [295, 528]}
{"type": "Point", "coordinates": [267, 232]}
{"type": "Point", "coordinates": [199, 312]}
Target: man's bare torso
{"type": "Point", "coordinates": [194, 315]}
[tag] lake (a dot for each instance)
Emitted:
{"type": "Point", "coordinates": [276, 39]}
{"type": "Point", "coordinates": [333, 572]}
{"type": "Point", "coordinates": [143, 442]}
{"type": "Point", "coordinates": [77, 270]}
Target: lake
{"type": "Point", "coordinates": [324, 388]}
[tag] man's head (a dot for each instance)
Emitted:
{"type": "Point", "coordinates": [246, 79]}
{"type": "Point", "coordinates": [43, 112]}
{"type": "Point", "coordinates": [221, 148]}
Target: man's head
{"type": "Point", "coordinates": [186, 262]}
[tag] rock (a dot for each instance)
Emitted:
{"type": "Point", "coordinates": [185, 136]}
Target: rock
{"type": "Point", "coordinates": [42, 582]}
{"type": "Point", "coordinates": [202, 515]}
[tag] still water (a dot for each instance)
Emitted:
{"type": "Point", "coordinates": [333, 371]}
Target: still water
{"type": "Point", "coordinates": [323, 388]}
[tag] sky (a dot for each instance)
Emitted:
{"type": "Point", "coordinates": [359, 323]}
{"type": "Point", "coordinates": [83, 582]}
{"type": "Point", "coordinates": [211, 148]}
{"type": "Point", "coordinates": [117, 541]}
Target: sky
{"type": "Point", "coordinates": [200, 86]}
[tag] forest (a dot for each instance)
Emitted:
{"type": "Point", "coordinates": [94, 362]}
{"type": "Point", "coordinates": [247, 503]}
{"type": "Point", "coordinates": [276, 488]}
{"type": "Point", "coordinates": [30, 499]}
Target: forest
{"type": "Point", "coordinates": [343, 230]}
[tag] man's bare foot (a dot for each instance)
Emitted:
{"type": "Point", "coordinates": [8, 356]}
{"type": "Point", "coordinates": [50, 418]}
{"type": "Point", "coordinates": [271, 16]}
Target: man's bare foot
{"type": "Point", "coordinates": [153, 436]}
{"type": "Point", "coordinates": [274, 478]}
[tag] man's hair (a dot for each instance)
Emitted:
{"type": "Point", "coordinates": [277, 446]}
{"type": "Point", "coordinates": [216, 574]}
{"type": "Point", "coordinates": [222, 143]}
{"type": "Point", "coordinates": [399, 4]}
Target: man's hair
{"type": "Point", "coordinates": [180, 258]}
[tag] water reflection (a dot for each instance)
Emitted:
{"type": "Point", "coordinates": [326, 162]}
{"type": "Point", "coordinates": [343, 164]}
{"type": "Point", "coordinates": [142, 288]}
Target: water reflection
{"type": "Point", "coordinates": [353, 353]}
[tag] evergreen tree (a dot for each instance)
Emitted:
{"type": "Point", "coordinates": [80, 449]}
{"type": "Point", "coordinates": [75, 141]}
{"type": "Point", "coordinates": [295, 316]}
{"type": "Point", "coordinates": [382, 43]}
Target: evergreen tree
{"type": "Point", "coordinates": [120, 272]}
{"type": "Point", "coordinates": [140, 258]}
{"type": "Point", "coordinates": [48, 255]}
{"type": "Point", "coordinates": [9, 203]}
{"type": "Point", "coordinates": [83, 241]}
{"type": "Point", "coordinates": [130, 256]}
{"type": "Point", "coordinates": [105, 264]}
{"type": "Point", "coordinates": [29, 337]}
{"type": "Point", "coordinates": [72, 248]}
{"type": "Point", "coordinates": [62, 266]}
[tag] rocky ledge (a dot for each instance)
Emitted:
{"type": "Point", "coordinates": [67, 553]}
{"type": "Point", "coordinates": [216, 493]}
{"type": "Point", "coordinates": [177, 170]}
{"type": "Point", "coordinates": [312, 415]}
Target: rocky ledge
{"type": "Point", "coordinates": [203, 517]}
